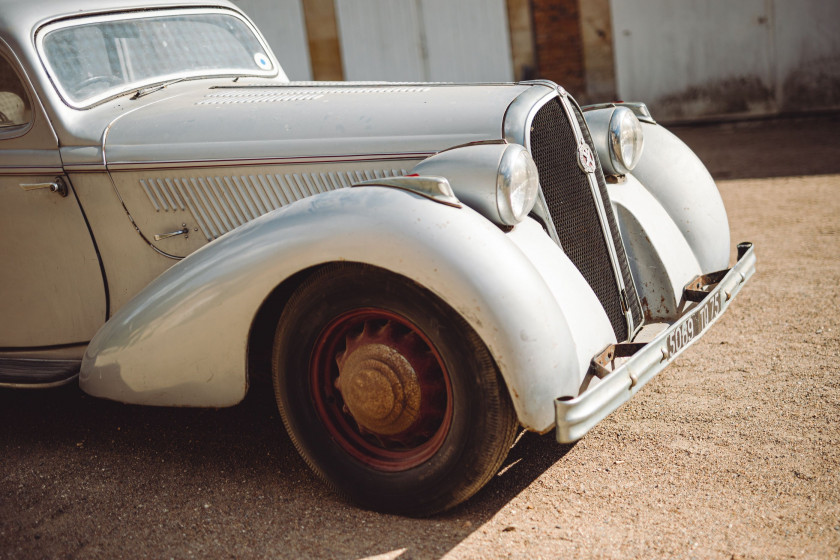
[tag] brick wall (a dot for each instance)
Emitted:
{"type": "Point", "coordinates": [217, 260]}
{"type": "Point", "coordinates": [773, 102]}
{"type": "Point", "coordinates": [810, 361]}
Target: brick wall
{"type": "Point", "coordinates": [559, 43]}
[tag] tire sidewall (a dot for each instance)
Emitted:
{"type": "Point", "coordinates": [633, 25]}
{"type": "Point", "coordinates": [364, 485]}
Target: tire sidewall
{"type": "Point", "coordinates": [310, 310]}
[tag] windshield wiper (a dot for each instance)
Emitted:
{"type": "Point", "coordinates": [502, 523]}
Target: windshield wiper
{"type": "Point", "coordinates": [157, 87]}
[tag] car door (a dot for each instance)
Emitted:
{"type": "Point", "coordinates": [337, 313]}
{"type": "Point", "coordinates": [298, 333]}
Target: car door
{"type": "Point", "coordinates": [52, 293]}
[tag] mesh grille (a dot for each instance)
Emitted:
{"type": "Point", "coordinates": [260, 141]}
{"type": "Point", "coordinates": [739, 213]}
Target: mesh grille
{"type": "Point", "coordinates": [632, 295]}
{"type": "Point", "coordinates": [572, 208]}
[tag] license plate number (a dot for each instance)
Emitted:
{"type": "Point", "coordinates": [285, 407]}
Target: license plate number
{"type": "Point", "coordinates": [693, 326]}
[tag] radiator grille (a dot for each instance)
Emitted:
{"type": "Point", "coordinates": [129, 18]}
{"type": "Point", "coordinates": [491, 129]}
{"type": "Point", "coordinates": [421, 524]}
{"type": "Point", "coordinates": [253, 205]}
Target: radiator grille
{"type": "Point", "coordinates": [573, 209]}
{"type": "Point", "coordinates": [630, 286]}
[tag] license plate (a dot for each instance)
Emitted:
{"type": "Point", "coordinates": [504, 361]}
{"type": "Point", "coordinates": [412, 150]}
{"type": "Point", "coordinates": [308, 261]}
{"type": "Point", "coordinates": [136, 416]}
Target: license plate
{"type": "Point", "coordinates": [694, 325]}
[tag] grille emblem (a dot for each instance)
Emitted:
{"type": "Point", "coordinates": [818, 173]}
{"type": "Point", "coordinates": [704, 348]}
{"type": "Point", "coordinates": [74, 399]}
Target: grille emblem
{"type": "Point", "coordinates": [586, 159]}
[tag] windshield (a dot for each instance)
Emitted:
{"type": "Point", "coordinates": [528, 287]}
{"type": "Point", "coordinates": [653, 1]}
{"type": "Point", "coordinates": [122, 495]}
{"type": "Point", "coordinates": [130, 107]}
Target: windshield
{"type": "Point", "coordinates": [92, 59]}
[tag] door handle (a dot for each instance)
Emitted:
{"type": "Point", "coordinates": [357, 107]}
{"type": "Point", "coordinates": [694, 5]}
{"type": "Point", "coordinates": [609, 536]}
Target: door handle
{"type": "Point", "coordinates": [58, 185]}
{"type": "Point", "coordinates": [184, 231]}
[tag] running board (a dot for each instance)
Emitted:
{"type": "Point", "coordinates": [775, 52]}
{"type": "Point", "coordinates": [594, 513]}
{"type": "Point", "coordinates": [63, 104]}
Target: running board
{"type": "Point", "coordinates": [22, 373]}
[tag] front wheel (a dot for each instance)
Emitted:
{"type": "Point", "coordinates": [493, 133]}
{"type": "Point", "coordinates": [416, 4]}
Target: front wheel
{"type": "Point", "coordinates": [387, 393]}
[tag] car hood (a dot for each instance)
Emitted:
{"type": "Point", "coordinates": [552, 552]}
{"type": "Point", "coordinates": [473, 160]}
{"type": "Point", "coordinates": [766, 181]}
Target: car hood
{"type": "Point", "coordinates": [304, 120]}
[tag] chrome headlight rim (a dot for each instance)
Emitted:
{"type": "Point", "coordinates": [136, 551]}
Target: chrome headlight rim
{"type": "Point", "coordinates": [626, 140]}
{"type": "Point", "coordinates": [517, 185]}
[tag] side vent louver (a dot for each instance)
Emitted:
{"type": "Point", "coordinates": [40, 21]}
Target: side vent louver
{"type": "Point", "coordinates": [221, 203]}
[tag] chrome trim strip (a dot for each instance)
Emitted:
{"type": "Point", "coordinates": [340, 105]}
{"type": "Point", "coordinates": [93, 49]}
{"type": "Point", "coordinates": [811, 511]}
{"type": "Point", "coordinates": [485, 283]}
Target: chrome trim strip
{"type": "Point", "coordinates": [522, 110]}
{"type": "Point", "coordinates": [437, 189]}
{"type": "Point", "coordinates": [114, 184]}
{"type": "Point", "coordinates": [639, 109]}
{"type": "Point", "coordinates": [246, 94]}
{"type": "Point", "coordinates": [575, 417]}
{"type": "Point", "coordinates": [51, 385]}
{"type": "Point", "coordinates": [303, 160]}
{"type": "Point", "coordinates": [37, 373]}
{"type": "Point", "coordinates": [5, 171]}
{"type": "Point", "coordinates": [565, 102]}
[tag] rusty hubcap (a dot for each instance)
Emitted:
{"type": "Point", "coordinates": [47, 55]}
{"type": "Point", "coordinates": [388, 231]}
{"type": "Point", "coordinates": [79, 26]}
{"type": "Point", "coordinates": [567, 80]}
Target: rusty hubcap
{"type": "Point", "coordinates": [381, 389]}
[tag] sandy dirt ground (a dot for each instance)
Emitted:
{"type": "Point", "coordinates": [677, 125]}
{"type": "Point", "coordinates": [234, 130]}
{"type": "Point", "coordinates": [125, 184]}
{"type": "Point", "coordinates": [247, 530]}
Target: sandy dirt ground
{"type": "Point", "coordinates": [731, 453]}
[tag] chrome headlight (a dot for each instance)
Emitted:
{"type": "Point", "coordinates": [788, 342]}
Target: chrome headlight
{"type": "Point", "coordinates": [626, 140]}
{"type": "Point", "coordinates": [496, 179]}
{"type": "Point", "coordinates": [517, 185]}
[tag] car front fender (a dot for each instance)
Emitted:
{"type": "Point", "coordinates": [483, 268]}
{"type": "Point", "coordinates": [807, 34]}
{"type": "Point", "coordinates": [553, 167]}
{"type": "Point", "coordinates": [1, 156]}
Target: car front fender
{"type": "Point", "coordinates": [661, 259]}
{"type": "Point", "coordinates": [678, 180]}
{"type": "Point", "coordinates": [182, 341]}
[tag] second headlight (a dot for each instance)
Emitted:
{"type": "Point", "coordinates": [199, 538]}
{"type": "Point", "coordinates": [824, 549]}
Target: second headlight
{"type": "Point", "coordinates": [626, 140]}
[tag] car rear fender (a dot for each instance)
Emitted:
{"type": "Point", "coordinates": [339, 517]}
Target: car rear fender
{"type": "Point", "coordinates": [182, 341]}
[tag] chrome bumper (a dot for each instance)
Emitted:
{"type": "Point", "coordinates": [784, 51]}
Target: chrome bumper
{"type": "Point", "coordinates": [639, 363]}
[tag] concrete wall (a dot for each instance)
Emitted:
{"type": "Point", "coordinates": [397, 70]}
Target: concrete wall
{"type": "Point", "coordinates": [712, 58]}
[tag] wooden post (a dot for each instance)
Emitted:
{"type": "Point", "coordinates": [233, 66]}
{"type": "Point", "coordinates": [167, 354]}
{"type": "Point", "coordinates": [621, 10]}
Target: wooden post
{"type": "Point", "coordinates": [521, 28]}
{"type": "Point", "coordinates": [598, 55]}
{"type": "Point", "coordinates": [322, 35]}
{"type": "Point", "coordinates": [559, 47]}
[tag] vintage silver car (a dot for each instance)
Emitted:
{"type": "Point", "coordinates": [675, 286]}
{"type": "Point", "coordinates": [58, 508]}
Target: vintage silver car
{"type": "Point", "coordinates": [420, 269]}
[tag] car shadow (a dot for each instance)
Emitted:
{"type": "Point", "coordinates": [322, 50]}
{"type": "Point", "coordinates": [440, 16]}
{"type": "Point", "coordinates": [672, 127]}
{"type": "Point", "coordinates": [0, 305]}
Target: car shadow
{"type": "Point", "coordinates": [763, 148]}
{"type": "Point", "coordinates": [85, 476]}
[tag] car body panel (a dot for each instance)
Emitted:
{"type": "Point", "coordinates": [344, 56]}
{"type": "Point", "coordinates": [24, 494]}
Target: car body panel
{"type": "Point", "coordinates": [194, 203]}
{"type": "Point", "coordinates": [661, 260]}
{"type": "Point", "coordinates": [210, 163]}
{"type": "Point", "coordinates": [51, 267]}
{"type": "Point", "coordinates": [676, 177]}
{"type": "Point", "coordinates": [127, 259]}
{"type": "Point", "coordinates": [209, 122]}
{"type": "Point", "coordinates": [54, 294]}
{"type": "Point", "coordinates": [81, 131]}
{"type": "Point", "coordinates": [183, 339]}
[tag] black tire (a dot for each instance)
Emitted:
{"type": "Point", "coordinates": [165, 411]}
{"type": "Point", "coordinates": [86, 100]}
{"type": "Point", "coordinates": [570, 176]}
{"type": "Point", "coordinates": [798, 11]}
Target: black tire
{"type": "Point", "coordinates": [413, 440]}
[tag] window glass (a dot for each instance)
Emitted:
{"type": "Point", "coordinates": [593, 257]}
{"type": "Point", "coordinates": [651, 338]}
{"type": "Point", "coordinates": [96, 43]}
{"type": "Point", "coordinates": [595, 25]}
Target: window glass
{"type": "Point", "coordinates": [89, 60]}
{"type": "Point", "coordinates": [14, 104]}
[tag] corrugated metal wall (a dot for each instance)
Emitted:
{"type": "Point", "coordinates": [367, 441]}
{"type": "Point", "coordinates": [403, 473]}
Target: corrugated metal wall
{"type": "Point", "coordinates": [690, 59]}
{"type": "Point", "coordinates": [425, 40]}
{"type": "Point", "coordinates": [686, 59]}
{"type": "Point", "coordinates": [407, 40]}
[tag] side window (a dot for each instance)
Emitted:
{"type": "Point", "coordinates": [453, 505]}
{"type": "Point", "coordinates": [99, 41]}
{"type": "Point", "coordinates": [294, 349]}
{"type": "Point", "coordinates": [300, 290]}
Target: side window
{"type": "Point", "coordinates": [15, 111]}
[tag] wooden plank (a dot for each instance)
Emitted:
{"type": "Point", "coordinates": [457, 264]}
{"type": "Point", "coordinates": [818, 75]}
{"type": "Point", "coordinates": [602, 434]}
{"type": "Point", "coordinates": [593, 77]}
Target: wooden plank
{"type": "Point", "coordinates": [521, 29]}
{"type": "Point", "coordinates": [598, 58]}
{"type": "Point", "coordinates": [322, 33]}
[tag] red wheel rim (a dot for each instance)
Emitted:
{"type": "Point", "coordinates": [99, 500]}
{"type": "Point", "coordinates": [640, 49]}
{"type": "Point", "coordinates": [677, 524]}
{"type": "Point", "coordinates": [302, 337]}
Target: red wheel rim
{"type": "Point", "coordinates": [381, 389]}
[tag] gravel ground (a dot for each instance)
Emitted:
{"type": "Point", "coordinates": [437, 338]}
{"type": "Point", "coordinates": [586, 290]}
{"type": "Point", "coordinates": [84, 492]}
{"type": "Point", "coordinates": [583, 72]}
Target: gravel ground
{"type": "Point", "coordinates": [731, 453]}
